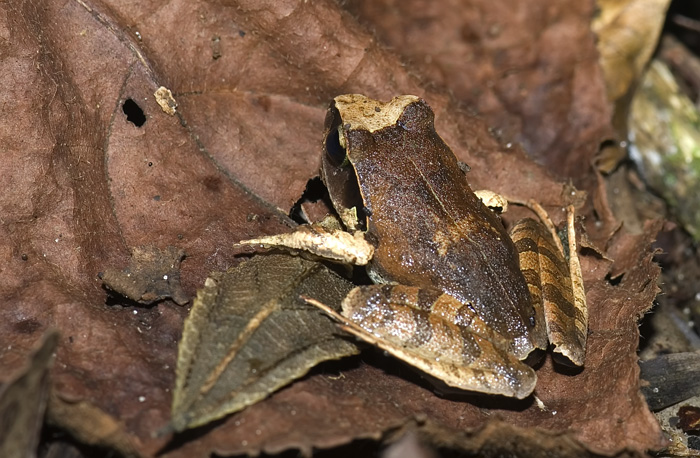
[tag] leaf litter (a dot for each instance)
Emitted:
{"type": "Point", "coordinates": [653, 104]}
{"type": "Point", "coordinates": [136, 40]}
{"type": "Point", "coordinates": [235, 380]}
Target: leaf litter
{"type": "Point", "coordinates": [87, 185]}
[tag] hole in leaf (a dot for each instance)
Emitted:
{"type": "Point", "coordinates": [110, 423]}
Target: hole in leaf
{"type": "Point", "coordinates": [614, 281]}
{"type": "Point", "coordinates": [134, 113]}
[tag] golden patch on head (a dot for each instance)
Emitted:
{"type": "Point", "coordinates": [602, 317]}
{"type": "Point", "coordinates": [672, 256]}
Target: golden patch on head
{"type": "Point", "coordinates": [371, 115]}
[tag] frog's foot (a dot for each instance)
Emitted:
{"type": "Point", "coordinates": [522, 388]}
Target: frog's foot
{"type": "Point", "coordinates": [332, 245]}
{"type": "Point", "coordinates": [437, 334]}
{"type": "Point", "coordinates": [555, 283]}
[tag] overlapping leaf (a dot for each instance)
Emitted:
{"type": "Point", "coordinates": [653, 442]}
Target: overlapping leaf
{"type": "Point", "coordinates": [250, 333]}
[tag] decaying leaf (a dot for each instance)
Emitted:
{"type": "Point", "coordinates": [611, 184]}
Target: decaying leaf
{"type": "Point", "coordinates": [628, 32]}
{"type": "Point", "coordinates": [679, 423]}
{"type": "Point", "coordinates": [689, 418]}
{"type": "Point", "coordinates": [22, 403]}
{"type": "Point", "coordinates": [250, 333]}
{"type": "Point", "coordinates": [153, 275]}
{"type": "Point", "coordinates": [670, 379]}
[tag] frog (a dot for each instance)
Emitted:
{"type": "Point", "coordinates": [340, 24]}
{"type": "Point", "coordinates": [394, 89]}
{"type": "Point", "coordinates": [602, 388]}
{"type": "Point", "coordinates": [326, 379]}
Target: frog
{"type": "Point", "coordinates": [453, 293]}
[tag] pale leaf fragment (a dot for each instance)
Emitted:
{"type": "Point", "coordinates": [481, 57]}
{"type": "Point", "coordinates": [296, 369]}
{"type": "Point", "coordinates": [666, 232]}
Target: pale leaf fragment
{"type": "Point", "coordinates": [164, 98]}
{"type": "Point", "coordinates": [628, 31]}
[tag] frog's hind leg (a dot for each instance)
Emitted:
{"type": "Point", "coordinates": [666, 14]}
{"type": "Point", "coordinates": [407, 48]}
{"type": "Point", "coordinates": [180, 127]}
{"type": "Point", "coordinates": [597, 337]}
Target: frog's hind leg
{"type": "Point", "coordinates": [555, 283]}
{"type": "Point", "coordinates": [437, 334]}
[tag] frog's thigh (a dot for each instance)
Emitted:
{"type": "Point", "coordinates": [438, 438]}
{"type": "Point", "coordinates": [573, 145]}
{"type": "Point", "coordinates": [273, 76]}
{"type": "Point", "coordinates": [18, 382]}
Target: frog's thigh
{"type": "Point", "coordinates": [439, 335]}
{"type": "Point", "coordinates": [333, 245]}
{"type": "Point", "coordinates": [552, 289]}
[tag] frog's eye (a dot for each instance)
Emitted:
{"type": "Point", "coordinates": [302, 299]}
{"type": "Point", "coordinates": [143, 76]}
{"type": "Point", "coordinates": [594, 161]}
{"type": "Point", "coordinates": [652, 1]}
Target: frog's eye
{"type": "Point", "coordinates": [335, 146]}
{"type": "Point", "coordinates": [335, 141]}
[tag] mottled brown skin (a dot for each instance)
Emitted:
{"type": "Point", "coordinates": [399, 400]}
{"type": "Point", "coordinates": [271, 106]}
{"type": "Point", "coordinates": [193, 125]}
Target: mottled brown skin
{"type": "Point", "coordinates": [429, 228]}
{"type": "Point", "coordinates": [450, 298]}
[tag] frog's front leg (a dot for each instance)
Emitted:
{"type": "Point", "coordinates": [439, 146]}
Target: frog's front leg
{"type": "Point", "coordinates": [437, 334]}
{"type": "Point", "coordinates": [332, 245]}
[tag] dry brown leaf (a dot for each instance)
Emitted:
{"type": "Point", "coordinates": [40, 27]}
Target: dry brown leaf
{"type": "Point", "coordinates": [529, 68]}
{"type": "Point", "coordinates": [689, 418]}
{"type": "Point", "coordinates": [83, 182]}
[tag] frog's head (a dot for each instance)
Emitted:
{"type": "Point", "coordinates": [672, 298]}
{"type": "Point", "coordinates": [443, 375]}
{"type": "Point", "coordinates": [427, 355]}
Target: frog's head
{"type": "Point", "coordinates": [353, 125]}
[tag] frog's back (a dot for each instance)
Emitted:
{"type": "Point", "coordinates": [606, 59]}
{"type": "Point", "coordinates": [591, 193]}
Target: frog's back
{"type": "Point", "coordinates": [432, 230]}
